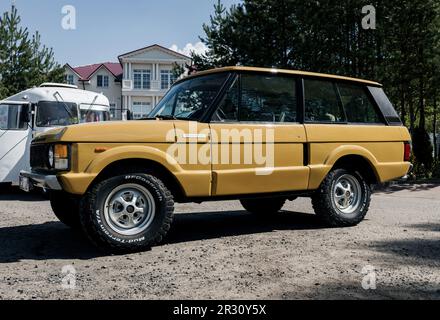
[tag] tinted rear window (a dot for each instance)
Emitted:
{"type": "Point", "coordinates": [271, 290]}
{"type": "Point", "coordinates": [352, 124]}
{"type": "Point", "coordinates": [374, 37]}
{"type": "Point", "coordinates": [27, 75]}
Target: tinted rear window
{"type": "Point", "coordinates": [385, 106]}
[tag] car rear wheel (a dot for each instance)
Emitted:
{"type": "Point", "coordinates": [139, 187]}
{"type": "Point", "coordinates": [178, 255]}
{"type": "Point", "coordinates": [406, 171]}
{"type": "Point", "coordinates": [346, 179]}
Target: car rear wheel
{"type": "Point", "coordinates": [263, 206]}
{"type": "Point", "coordinates": [343, 198]}
{"type": "Point", "coordinates": [66, 208]}
{"type": "Point", "coordinates": [127, 213]}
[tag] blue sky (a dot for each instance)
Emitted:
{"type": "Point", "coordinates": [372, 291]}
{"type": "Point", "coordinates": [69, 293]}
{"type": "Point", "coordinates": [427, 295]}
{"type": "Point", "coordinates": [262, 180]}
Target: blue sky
{"type": "Point", "coordinates": [106, 29]}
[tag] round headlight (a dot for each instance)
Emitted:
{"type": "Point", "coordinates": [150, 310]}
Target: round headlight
{"type": "Point", "coordinates": [51, 157]}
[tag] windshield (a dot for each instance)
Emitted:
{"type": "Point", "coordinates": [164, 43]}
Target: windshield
{"type": "Point", "coordinates": [189, 99]}
{"type": "Point", "coordinates": [94, 116]}
{"type": "Point", "coordinates": [54, 114]}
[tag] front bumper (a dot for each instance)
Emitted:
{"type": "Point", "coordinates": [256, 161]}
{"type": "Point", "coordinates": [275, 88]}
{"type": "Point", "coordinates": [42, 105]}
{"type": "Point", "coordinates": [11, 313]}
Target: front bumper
{"type": "Point", "coordinates": [36, 180]}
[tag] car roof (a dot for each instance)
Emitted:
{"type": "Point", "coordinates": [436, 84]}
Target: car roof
{"type": "Point", "coordinates": [284, 71]}
{"type": "Point", "coordinates": [50, 93]}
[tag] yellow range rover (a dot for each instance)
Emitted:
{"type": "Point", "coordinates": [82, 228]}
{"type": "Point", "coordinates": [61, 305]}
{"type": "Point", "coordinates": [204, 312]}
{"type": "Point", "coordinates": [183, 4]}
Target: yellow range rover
{"type": "Point", "coordinates": [262, 136]}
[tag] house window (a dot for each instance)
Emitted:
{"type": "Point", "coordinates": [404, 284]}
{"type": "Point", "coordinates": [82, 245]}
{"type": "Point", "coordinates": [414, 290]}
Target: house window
{"type": "Point", "coordinates": [140, 110]}
{"type": "Point", "coordinates": [142, 79]}
{"type": "Point", "coordinates": [112, 110]}
{"type": "Point", "coordinates": [167, 78]}
{"type": "Point", "coordinates": [69, 79]}
{"type": "Point", "coordinates": [102, 81]}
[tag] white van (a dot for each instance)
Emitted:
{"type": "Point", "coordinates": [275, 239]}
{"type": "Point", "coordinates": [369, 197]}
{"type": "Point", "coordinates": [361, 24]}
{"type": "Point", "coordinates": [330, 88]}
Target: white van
{"type": "Point", "coordinates": [33, 111]}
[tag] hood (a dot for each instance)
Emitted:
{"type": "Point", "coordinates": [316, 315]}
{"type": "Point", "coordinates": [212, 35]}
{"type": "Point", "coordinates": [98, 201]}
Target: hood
{"type": "Point", "coordinates": [113, 132]}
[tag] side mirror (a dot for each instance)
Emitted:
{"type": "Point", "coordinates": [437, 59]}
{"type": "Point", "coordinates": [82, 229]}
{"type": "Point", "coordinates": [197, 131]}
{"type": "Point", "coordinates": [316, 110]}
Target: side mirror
{"type": "Point", "coordinates": [25, 113]}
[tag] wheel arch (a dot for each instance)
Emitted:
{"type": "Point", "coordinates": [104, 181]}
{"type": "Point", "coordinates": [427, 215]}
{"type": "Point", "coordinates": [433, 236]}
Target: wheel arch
{"type": "Point", "coordinates": [128, 165]}
{"type": "Point", "coordinates": [350, 157]}
{"type": "Point", "coordinates": [360, 164]}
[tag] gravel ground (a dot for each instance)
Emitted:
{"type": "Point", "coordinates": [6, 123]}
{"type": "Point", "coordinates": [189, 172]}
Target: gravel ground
{"type": "Point", "coordinates": [217, 251]}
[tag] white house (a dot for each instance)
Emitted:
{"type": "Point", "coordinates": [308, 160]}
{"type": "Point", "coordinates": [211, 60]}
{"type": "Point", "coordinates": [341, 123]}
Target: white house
{"type": "Point", "coordinates": [136, 83]}
{"type": "Point", "coordinates": [102, 78]}
{"type": "Point", "coordinates": [147, 76]}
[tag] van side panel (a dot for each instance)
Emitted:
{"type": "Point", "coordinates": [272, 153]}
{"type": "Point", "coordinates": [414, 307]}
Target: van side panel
{"type": "Point", "coordinates": [382, 146]}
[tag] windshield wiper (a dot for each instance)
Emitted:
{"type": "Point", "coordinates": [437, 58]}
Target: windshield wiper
{"type": "Point", "coordinates": [66, 107]}
{"type": "Point", "coordinates": [165, 117]}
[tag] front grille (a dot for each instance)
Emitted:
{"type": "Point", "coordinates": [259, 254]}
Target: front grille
{"type": "Point", "coordinates": [39, 155]}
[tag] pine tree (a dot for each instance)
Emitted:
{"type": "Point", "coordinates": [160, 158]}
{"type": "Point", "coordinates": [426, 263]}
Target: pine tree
{"type": "Point", "coordinates": [24, 61]}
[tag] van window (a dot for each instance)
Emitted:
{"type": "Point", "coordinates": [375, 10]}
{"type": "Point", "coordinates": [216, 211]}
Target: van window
{"type": "Point", "coordinates": [263, 99]}
{"type": "Point", "coordinates": [322, 102]}
{"type": "Point", "coordinates": [10, 117]}
{"type": "Point", "coordinates": [53, 114]}
{"type": "Point", "coordinates": [94, 116]}
{"type": "Point", "coordinates": [358, 106]}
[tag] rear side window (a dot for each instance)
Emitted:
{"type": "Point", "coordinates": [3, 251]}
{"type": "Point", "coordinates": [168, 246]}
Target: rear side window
{"type": "Point", "coordinates": [385, 106]}
{"type": "Point", "coordinates": [357, 104]}
{"type": "Point", "coordinates": [322, 102]}
{"type": "Point", "coordinates": [259, 98]}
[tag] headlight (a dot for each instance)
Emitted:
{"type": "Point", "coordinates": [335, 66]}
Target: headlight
{"type": "Point", "coordinates": [58, 157]}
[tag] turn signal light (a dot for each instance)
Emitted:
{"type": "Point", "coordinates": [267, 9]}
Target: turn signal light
{"type": "Point", "coordinates": [61, 151]}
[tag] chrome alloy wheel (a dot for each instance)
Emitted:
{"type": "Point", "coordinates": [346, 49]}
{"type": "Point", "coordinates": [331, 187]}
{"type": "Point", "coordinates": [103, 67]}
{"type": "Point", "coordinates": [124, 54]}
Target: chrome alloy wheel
{"type": "Point", "coordinates": [129, 209]}
{"type": "Point", "coordinates": [347, 194]}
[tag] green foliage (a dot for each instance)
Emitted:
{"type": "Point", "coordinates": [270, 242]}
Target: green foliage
{"type": "Point", "coordinates": [177, 71]}
{"type": "Point", "coordinates": [24, 61]}
{"type": "Point", "coordinates": [403, 52]}
{"type": "Point", "coordinates": [422, 149]}
{"type": "Point", "coordinates": [436, 169]}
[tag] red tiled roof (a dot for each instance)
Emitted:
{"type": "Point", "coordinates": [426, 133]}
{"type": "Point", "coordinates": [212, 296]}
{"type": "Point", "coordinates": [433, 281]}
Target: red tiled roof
{"type": "Point", "coordinates": [85, 72]}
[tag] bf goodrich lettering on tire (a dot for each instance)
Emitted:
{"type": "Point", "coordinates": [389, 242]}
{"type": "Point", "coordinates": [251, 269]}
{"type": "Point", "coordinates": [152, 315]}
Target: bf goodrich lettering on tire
{"type": "Point", "coordinates": [131, 212]}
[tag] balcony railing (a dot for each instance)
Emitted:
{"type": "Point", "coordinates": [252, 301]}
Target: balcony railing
{"type": "Point", "coordinates": [155, 85]}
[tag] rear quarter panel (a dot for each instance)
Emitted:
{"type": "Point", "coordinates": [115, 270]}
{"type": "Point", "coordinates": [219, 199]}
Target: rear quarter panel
{"type": "Point", "coordinates": [380, 145]}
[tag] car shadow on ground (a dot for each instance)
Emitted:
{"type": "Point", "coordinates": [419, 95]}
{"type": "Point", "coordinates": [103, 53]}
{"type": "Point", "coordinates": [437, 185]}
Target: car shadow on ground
{"type": "Point", "coordinates": [53, 240]}
{"type": "Point", "coordinates": [413, 187]}
{"type": "Point", "coordinates": [8, 193]}
{"type": "Point", "coordinates": [417, 251]}
{"type": "Point", "coordinates": [211, 225]}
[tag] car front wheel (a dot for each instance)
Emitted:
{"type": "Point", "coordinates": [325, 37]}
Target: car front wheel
{"type": "Point", "coordinates": [343, 198]}
{"type": "Point", "coordinates": [127, 213]}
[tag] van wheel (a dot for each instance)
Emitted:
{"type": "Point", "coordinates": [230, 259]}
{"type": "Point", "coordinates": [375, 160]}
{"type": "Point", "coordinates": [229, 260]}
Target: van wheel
{"type": "Point", "coordinates": [66, 208]}
{"type": "Point", "coordinates": [263, 206]}
{"type": "Point", "coordinates": [343, 199]}
{"type": "Point", "coordinates": [127, 213]}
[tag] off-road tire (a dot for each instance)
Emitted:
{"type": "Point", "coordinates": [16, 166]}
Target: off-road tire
{"type": "Point", "coordinates": [326, 209]}
{"type": "Point", "coordinates": [66, 208]}
{"type": "Point", "coordinates": [263, 206]}
{"type": "Point", "coordinates": [104, 237]}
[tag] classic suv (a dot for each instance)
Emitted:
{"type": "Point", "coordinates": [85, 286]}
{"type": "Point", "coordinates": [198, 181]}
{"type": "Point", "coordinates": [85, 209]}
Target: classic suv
{"type": "Point", "coordinates": [262, 136]}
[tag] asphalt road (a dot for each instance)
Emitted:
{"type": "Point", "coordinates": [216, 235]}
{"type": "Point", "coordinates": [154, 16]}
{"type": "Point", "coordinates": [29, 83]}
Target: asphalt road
{"type": "Point", "coordinates": [218, 251]}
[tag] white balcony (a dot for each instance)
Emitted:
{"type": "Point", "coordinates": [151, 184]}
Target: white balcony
{"type": "Point", "coordinates": [155, 87]}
